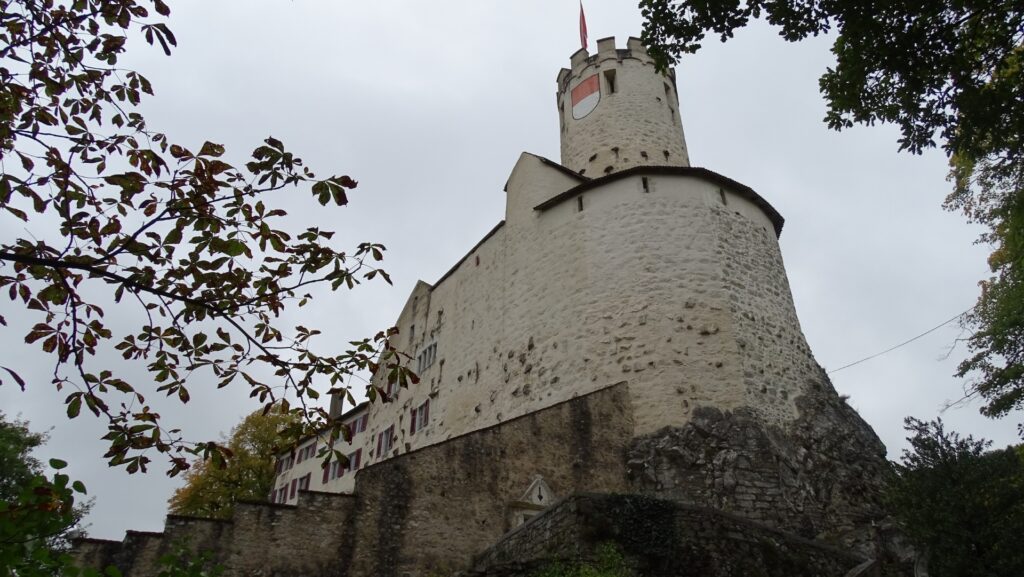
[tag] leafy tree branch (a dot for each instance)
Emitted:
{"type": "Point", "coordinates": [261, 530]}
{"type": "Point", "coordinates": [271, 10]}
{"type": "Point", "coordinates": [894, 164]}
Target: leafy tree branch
{"type": "Point", "coordinates": [196, 242]}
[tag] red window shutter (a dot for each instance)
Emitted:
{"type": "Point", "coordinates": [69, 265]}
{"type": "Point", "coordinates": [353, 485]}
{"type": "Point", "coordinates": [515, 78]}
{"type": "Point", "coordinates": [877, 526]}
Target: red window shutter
{"type": "Point", "coordinates": [295, 485]}
{"type": "Point", "coordinates": [380, 439]}
{"type": "Point", "coordinates": [426, 412]}
{"type": "Point", "coordinates": [327, 471]}
{"type": "Point", "coordinates": [359, 454]}
{"type": "Point", "coordinates": [412, 422]}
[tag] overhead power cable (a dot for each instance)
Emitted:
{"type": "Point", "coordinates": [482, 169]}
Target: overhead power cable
{"type": "Point", "coordinates": [906, 342]}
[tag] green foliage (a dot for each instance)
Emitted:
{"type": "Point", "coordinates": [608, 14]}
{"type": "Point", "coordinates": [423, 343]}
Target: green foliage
{"type": "Point", "coordinates": [17, 465]}
{"type": "Point", "coordinates": [942, 68]}
{"type": "Point", "coordinates": [113, 213]}
{"type": "Point", "coordinates": [609, 562]}
{"type": "Point", "coordinates": [182, 561]}
{"type": "Point", "coordinates": [960, 504]}
{"type": "Point", "coordinates": [211, 489]}
{"type": "Point", "coordinates": [36, 510]}
{"type": "Point", "coordinates": [992, 193]}
{"type": "Point", "coordinates": [952, 67]}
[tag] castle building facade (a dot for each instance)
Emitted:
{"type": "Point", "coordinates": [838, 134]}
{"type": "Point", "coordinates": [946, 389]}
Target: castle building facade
{"type": "Point", "coordinates": [620, 264]}
{"type": "Point", "coordinates": [619, 359]}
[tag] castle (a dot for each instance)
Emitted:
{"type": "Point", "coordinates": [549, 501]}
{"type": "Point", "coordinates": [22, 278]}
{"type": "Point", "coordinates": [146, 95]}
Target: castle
{"type": "Point", "coordinates": [628, 330]}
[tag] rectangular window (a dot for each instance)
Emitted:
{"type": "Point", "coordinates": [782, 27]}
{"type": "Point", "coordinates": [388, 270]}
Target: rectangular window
{"type": "Point", "coordinates": [420, 416]}
{"type": "Point", "coordinates": [353, 463]}
{"type": "Point", "coordinates": [426, 358]}
{"type": "Point", "coordinates": [609, 80]}
{"type": "Point", "coordinates": [305, 453]}
{"type": "Point", "coordinates": [327, 473]}
{"type": "Point", "coordinates": [385, 442]}
{"type": "Point", "coordinates": [295, 486]}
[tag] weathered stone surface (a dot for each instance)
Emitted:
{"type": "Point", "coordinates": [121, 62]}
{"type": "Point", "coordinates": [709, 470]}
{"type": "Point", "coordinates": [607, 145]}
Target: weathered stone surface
{"type": "Point", "coordinates": [820, 476]}
{"type": "Point", "coordinates": [666, 539]}
{"type": "Point", "coordinates": [421, 513]}
{"type": "Point", "coordinates": [261, 539]}
{"type": "Point", "coordinates": [635, 124]}
{"type": "Point", "coordinates": [431, 510]}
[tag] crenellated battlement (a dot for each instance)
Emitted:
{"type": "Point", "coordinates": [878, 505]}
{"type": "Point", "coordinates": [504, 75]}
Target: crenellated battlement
{"type": "Point", "coordinates": [617, 111]}
{"type": "Point", "coordinates": [606, 50]}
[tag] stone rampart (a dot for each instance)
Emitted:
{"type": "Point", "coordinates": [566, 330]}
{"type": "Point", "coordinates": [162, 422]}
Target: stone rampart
{"type": "Point", "coordinates": [421, 513]}
{"type": "Point", "coordinates": [261, 539]}
{"type": "Point", "coordinates": [665, 539]}
{"type": "Point", "coordinates": [429, 511]}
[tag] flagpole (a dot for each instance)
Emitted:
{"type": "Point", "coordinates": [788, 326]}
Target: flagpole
{"type": "Point", "coordinates": [583, 27]}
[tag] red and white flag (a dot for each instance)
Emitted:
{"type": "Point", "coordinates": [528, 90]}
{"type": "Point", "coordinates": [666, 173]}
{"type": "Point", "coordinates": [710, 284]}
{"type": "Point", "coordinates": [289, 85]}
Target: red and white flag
{"type": "Point", "coordinates": [583, 27]}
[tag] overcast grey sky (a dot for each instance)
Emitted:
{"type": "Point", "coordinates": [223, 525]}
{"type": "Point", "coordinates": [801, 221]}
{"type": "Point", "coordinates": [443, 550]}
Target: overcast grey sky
{"type": "Point", "coordinates": [428, 105]}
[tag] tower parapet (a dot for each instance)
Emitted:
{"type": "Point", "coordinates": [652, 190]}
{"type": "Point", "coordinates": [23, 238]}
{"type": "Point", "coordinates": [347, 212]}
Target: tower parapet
{"type": "Point", "coordinates": [616, 111]}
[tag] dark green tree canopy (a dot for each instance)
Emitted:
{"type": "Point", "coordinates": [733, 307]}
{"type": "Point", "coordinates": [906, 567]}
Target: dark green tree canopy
{"type": "Point", "coordinates": [37, 511]}
{"type": "Point", "coordinates": [960, 503]}
{"type": "Point", "coordinates": [17, 465]}
{"type": "Point", "coordinates": [939, 67]}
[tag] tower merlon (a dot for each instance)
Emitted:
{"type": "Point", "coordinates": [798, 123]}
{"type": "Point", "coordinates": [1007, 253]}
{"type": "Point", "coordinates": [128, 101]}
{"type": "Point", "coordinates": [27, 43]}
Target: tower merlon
{"type": "Point", "coordinates": [606, 45]}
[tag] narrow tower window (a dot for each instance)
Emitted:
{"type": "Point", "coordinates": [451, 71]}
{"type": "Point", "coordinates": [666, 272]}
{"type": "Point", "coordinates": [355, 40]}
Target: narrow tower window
{"type": "Point", "coordinates": [645, 184]}
{"type": "Point", "coordinates": [721, 194]}
{"type": "Point", "coordinates": [609, 79]}
{"type": "Point", "coordinates": [579, 203]}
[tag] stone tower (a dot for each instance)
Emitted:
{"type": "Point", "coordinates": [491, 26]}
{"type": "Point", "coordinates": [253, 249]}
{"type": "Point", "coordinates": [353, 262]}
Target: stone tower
{"type": "Point", "coordinates": [684, 296]}
{"type": "Point", "coordinates": [616, 112]}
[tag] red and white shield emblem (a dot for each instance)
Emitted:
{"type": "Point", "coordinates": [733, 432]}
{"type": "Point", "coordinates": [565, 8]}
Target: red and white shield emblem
{"type": "Point", "coordinates": [585, 97]}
